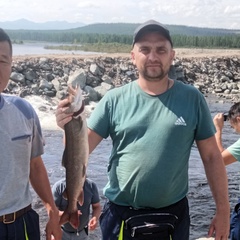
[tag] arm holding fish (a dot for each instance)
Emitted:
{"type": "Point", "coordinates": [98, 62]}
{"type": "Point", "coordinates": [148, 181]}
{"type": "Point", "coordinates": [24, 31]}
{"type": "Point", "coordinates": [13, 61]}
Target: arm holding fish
{"type": "Point", "coordinates": [61, 117]}
{"type": "Point", "coordinates": [93, 139]}
{"type": "Point", "coordinates": [217, 179]}
{"type": "Point", "coordinates": [40, 183]}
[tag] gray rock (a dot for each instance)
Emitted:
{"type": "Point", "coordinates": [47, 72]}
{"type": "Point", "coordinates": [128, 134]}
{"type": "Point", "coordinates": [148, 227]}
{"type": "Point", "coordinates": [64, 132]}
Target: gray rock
{"type": "Point", "coordinates": [107, 79]}
{"type": "Point", "coordinates": [49, 77]}
{"type": "Point", "coordinates": [17, 77]}
{"type": "Point", "coordinates": [44, 84]}
{"type": "Point", "coordinates": [95, 70]}
{"type": "Point", "coordinates": [30, 75]}
{"type": "Point", "coordinates": [92, 94]}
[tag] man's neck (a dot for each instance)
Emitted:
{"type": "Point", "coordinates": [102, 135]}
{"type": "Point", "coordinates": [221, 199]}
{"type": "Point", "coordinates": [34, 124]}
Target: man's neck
{"type": "Point", "coordinates": [155, 88]}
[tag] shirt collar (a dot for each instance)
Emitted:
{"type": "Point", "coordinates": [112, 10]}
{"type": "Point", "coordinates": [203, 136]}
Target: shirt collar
{"type": "Point", "coordinates": [1, 101]}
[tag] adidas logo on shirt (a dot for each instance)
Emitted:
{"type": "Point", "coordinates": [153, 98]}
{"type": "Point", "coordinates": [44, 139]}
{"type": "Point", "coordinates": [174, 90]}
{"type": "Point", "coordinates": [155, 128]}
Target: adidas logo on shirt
{"type": "Point", "coordinates": [180, 121]}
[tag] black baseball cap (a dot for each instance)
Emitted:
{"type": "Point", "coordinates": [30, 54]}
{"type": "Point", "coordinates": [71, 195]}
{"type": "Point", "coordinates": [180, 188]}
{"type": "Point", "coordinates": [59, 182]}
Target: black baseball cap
{"type": "Point", "coordinates": [151, 26]}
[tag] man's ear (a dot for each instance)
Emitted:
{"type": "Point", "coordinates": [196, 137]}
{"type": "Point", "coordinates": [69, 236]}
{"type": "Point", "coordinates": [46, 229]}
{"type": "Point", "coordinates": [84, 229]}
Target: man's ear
{"type": "Point", "coordinates": [133, 57]}
{"type": "Point", "coordinates": [173, 54]}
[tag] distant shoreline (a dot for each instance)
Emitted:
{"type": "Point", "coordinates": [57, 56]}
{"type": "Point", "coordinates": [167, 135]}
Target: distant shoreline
{"type": "Point", "coordinates": [180, 53]}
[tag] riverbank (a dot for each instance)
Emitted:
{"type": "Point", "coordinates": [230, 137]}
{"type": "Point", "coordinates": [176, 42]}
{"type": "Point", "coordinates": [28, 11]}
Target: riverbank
{"type": "Point", "coordinates": [180, 52]}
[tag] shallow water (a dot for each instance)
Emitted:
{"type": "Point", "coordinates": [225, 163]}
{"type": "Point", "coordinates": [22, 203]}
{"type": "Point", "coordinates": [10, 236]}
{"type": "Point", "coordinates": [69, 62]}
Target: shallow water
{"type": "Point", "coordinates": [37, 48]}
{"type": "Point", "coordinates": [200, 199]}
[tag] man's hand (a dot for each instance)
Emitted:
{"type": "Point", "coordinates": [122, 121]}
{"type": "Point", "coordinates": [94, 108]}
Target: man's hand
{"type": "Point", "coordinates": [61, 117]}
{"type": "Point", "coordinates": [219, 227]}
{"type": "Point", "coordinates": [53, 228]}
{"type": "Point", "coordinates": [92, 223]}
{"type": "Point", "coordinates": [218, 121]}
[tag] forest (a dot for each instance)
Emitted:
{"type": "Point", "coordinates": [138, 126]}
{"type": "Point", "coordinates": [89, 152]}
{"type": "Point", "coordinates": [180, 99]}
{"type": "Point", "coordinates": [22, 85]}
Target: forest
{"type": "Point", "coordinates": [114, 33]}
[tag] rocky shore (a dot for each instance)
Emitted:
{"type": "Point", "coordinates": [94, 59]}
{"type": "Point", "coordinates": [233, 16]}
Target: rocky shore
{"type": "Point", "coordinates": [48, 76]}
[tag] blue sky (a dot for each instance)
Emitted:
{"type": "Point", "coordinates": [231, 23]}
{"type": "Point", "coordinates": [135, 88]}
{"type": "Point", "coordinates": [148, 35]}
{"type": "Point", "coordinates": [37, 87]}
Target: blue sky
{"type": "Point", "coordinates": [200, 13]}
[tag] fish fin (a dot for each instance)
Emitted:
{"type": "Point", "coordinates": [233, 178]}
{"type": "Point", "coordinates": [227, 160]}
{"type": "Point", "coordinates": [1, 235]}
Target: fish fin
{"type": "Point", "coordinates": [64, 218]}
{"type": "Point", "coordinates": [64, 194]}
{"type": "Point", "coordinates": [81, 198]}
{"type": "Point", "coordinates": [74, 219]}
{"type": "Point", "coordinates": [64, 158]}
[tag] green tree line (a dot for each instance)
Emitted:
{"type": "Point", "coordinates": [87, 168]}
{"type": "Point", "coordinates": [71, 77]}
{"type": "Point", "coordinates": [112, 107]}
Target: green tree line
{"type": "Point", "coordinates": [74, 37]}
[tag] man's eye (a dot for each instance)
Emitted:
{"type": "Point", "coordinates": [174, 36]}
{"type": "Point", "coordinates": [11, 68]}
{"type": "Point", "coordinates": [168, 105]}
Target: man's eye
{"type": "Point", "coordinates": [161, 50]}
{"type": "Point", "coordinates": [4, 60]}
{"type": "Point", "coordinates": [144, 50]}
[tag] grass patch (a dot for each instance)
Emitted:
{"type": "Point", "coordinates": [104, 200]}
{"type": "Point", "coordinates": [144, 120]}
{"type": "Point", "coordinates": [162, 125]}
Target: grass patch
{"type": "Point", "coordinates": [94, 47]}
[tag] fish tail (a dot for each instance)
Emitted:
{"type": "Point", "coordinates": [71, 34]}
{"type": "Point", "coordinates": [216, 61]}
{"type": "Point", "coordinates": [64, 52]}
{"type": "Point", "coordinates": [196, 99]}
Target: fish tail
{"type": "Point", "coordinates": [64, 218]}
{"type": "Point", "coordinates": [74, 219]}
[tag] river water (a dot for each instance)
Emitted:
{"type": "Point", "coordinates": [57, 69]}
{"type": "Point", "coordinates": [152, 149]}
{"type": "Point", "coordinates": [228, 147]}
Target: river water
{"type": "Point", "coordinates": [37, 48]}
{"type": "Point", "coordinates": [200, 199]}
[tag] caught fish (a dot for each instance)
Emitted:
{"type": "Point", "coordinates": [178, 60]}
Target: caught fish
{"type": "Point", "coordinates": [75, 156]}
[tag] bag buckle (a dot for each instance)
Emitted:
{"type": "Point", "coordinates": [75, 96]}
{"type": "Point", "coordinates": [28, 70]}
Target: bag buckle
{"type": "Point", "coordinates": [6, 219]}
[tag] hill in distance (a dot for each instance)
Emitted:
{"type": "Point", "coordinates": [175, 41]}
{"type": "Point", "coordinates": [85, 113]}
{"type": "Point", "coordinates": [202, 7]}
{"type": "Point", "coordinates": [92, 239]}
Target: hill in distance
{"type": "Point", "coordinates": [109, 28]}
{"type": "Point", "coordinates": [29, 25]}
{"type": "Point", "coordinates": [128, 29]}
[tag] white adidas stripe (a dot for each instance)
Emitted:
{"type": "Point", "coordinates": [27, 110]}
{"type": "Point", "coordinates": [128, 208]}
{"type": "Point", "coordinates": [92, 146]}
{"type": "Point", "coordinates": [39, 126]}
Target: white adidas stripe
{"type": "Point", "coordinates": [180, 121]}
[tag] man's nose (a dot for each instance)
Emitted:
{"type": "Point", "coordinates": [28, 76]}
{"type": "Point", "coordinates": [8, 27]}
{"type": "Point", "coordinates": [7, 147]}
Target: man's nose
{"type": "Point", "coordinates": [152, 55]}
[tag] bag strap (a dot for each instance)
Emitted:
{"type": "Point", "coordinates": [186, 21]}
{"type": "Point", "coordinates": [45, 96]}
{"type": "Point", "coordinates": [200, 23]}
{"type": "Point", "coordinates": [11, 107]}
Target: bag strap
{"type": "Point", "coordinates": [120, 237]}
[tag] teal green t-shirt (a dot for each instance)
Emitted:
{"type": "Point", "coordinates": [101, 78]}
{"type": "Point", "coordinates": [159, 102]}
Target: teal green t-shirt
{"type": "Point", "coordinates": [234, 149]}
{"type": "Point", "coordinates": [152, 138]}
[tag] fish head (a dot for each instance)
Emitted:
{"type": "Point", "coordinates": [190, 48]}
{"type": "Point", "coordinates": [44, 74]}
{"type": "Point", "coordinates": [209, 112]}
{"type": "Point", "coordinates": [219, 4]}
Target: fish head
{"type": "Point", "coordinates": [75, 98]}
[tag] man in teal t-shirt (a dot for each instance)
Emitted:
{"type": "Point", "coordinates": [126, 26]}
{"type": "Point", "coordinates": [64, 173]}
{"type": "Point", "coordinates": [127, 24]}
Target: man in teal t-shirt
{"type": "Point", "coordinates": [152, 137]}
{"type": "Point", "coordinates": [153, 123]}
{"type": "Point", "coordinates": [230, 155]}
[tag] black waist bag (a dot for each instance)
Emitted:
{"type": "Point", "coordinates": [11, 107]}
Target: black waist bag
{"type": "Point", "coordinates": [151, 225]}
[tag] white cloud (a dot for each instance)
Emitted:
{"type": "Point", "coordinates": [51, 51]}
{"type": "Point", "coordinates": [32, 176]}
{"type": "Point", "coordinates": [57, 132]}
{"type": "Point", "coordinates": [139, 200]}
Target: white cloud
{"type": "Point", "coordinates": [143, 5]}
{"type": "Point", "coordinates": [87, 4]}
{"type": "Point", "coordinates": [202, 13]}
{"type": "Point", "coordinates": [235, 10]}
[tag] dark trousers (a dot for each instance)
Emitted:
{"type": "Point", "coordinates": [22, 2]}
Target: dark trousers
{"type": "Point", "coordinates": [110, 220]}
{"type": "Point", "coordinates": [235, 223]}
{"type": "Point", "coordinates": [17, 231]}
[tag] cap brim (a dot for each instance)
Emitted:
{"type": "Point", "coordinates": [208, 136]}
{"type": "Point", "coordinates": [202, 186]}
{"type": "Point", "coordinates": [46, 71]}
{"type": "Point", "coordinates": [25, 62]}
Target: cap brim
{"type": "Point", "coordinates": [151, 28]}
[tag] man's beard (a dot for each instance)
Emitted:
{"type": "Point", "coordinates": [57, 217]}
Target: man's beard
{"type": "Point", "coordinates": [153, 76]}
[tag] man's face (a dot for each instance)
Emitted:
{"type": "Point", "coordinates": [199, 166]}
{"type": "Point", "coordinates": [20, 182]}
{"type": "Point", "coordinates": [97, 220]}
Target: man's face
{"type": "Point", "coordinates": [153, 56]}
{"type": "Point", "coordinates": [5, 64]}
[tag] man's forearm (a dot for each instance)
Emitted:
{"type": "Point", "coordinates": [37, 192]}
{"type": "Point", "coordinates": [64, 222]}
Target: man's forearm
{"type": "Point", "coordinates": [217, 178]}
{"type": "Point", "coordinates": [218, 137]}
